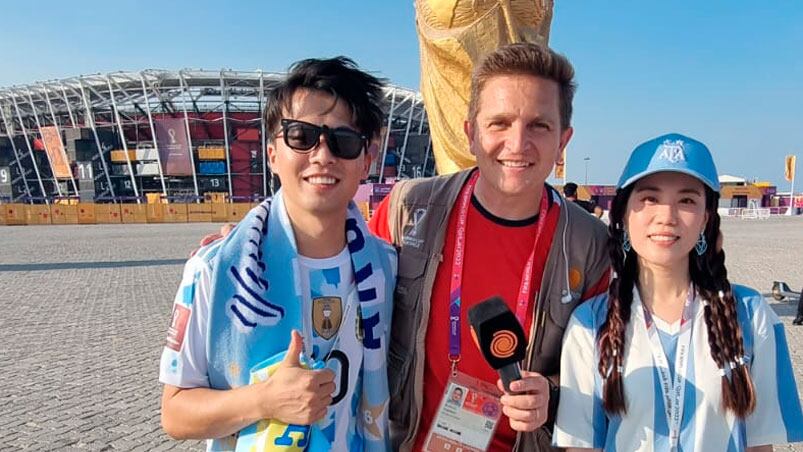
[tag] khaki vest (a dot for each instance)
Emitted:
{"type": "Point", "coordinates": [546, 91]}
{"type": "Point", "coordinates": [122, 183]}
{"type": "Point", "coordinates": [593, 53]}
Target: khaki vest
{"type": "Point", "coordinates": [418, 218]}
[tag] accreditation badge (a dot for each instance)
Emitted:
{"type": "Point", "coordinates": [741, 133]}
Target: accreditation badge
{"type": "Point", "coordinates": [467, 416]}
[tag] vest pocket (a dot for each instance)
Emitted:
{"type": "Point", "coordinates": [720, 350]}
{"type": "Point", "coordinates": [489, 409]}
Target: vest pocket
{"type": "Point", "coordinates": [400, 395]}
{"type": "Point", "coordinates": [412, 265]}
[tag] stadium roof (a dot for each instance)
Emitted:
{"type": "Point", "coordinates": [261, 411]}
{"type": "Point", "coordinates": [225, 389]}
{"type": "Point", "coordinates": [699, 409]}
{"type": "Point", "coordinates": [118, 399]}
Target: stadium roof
{"type": "Point", "coordinates": [160, 91]}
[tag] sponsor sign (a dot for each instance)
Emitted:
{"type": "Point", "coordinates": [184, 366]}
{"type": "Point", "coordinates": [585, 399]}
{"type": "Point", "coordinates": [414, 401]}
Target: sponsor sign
{"type": "Point", "coordinates": [59, 163]}
{"type": "Point", "coordinates": [174, 149]}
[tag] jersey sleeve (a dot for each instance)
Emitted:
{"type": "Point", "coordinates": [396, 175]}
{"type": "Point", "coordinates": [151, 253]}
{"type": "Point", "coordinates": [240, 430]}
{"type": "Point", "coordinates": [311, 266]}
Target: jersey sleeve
{"type": "Point", "coordinates": [184, 360]}
{"type": "Point", "coordinates": [777, 418]}
{"type": "Point", "coordinates": [581, 420]}
{"type": "Point", "coordinates": [600, 287]}
{"type": "Point", "coordinates": [378, 224]}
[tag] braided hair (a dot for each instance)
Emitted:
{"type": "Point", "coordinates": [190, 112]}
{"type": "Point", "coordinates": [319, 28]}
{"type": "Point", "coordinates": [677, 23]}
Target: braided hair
{"type": "Point", "coordinates": [710, 278]}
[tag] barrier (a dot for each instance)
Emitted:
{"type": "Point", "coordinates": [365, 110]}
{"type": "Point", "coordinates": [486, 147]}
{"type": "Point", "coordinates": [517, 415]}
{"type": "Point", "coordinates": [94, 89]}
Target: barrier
{"type": "Point", "coordinates": [236, 211]}
{"type": "Point", "coordinates": [754, 214]}
{"type": "Point", "coordinates": [133, 213]}
{"type": "Point", "coordinates": [38, 214]}
{"type": "Point", "coordinates": [175, 213]}
{"type": "Point", "coordinates": [158, 211]}
{"type": "Point", "coordinates": [86, 213]}
{"type": "Point", "coordinates": [215, 197]}
{"type": "Point", "coordinates": [107, 213]}
{"type": "Point", "coordinates": [64, 213]}
{"type": "Point", "coordinates": [220, 213]}
{"type": "Point", "coordinates": [199, 213]}
{"type": "Point", "coordinates": [14, 214]}
{"type": "Point", "coordinates": [155, 212]}
{"type": "Point", "coordinates": [153, 198]}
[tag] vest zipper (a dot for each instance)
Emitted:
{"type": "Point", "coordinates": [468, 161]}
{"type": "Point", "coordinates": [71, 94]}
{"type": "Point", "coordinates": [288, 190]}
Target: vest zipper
{"type": "Point", "coordinates": [531, 347]}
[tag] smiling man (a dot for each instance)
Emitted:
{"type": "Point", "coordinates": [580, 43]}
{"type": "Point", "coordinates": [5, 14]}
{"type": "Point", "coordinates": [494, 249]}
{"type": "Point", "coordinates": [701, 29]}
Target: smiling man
{"type": "Point", "coordinates": [497, 229]}
{"type": "Point", "coordinates": [279, 334]}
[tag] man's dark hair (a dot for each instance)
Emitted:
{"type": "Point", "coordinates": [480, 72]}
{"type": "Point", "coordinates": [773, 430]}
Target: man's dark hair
{"type": "Point", "coordinates": [338, 77]}
{"type": "Point", "coordinates": [570, 189]}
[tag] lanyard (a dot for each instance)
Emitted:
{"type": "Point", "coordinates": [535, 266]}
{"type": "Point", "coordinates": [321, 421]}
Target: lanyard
{"type": "Point", "coordinates": [672, 390]}
{"type": "Point", "coordinates": [456, 283]}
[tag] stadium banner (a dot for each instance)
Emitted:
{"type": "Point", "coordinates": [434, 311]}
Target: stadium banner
{"type": "Point", "coordinates": [55, 152]}
{"type": "Point", "coordinates": [174, 150]}
{"type": "Point", "coordinates": [789, 170]}
{"type": "Point", "coordinates": [560, 166]}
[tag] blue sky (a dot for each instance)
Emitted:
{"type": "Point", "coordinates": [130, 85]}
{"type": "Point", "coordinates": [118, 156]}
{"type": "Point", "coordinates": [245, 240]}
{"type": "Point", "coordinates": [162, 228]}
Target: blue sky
{"type": "Point", "coordinates": [729, 73]}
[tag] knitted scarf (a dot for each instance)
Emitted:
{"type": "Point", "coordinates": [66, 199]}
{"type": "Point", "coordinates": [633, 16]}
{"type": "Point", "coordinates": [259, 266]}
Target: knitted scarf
{"type": "Point", "coordinates": [257, 302]}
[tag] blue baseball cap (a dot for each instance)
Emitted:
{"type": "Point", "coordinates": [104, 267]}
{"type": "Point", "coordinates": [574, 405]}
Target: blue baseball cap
{"type": "Point", "coordinates": [672, 152]}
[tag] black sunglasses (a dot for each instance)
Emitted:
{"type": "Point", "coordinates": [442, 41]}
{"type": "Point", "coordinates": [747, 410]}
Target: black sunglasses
{"type": "Point", "coordinates": [302, 137]}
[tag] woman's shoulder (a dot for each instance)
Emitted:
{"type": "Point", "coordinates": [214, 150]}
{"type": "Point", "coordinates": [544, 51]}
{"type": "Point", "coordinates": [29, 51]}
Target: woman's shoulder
{"type": "Point", "coordinates": [753, 308]}
{"type": "Point", "coordinates": [591, 313]}
{"type": "Point", "coordinates": [749, 299]}
{"type": "Point", "coordinates": [746, 295]}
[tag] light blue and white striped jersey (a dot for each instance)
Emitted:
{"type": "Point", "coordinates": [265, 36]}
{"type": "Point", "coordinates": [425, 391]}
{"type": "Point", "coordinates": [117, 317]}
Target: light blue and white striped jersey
{"type": "Point", "coordinates": [322, 279]}
{"type": "Point", "coordinates": [705, 426]}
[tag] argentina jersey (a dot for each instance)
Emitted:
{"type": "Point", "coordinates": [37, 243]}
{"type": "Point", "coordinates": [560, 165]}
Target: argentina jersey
{"type": "Point", "coordinates": [331, 336]}
{"type": "Point", "coordinates": [704, 425]}
{"type": "Point", "coordinates": [325, 286]}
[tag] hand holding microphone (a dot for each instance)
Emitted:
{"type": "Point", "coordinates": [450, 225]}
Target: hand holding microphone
{"type": "Point", "coordinates": [501, 340]}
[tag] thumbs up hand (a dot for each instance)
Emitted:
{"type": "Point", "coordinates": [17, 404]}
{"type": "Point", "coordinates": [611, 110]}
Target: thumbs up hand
{"type": "Point", "coordinates": [293, 394]}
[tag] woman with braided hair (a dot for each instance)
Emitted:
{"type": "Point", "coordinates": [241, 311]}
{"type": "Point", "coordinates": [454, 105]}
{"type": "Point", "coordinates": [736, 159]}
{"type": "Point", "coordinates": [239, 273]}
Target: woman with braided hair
{"type": "Point", "coordinates": [674, 357]}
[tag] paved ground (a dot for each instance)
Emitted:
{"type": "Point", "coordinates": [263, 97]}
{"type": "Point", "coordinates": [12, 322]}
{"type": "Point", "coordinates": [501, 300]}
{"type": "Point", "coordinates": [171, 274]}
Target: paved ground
{"type": "Point", "coordinates": [85, 310]}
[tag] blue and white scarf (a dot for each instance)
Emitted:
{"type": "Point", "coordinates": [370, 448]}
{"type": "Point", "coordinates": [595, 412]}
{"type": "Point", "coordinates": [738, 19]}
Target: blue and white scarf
{"type": "Point", "coordinates": [255, 304]}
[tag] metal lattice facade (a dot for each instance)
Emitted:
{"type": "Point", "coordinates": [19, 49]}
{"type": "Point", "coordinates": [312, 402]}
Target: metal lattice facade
{"type": "Point", "coordinates": [110, 151]}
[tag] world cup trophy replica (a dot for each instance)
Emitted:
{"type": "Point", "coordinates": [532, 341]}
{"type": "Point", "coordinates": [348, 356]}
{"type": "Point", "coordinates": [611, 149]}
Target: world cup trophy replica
{"type": "Point", "coordinates": [453, 36]}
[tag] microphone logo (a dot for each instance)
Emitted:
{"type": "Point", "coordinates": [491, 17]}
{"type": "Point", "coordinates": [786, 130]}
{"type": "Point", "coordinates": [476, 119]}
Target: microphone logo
{"type": "Point", "coordinates": [503, 344]}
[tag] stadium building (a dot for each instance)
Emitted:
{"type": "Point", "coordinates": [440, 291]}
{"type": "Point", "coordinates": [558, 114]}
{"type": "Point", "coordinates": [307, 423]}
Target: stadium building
{"type": "Point", "coordinates": [156, 137]}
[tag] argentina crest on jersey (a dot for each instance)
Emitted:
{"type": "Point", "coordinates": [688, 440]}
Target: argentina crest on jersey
{"type": "Point", "coordinates": [327, 314]}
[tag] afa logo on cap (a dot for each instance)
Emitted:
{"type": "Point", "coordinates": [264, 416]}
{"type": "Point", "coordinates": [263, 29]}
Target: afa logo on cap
{"type": "Point", "coordinates": [671, 153]}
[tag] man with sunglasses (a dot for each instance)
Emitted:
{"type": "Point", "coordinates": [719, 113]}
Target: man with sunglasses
{"type": "Point", "coordinates": [496, 229]}
{"type": "Point", "coordinates": [279, 333]}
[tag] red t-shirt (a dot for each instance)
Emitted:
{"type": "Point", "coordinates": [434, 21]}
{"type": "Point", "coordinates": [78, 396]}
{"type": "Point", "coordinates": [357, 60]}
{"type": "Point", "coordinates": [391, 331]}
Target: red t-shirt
{"type": "Point", "coordinates": [495, 255]}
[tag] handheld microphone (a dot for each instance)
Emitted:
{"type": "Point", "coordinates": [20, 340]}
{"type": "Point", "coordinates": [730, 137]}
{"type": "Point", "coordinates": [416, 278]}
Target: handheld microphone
{"type": "Point", "coordinates": [500, 338]}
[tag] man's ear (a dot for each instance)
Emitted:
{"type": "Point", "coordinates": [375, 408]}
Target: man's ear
{"type": "Point", "coordinates": [565, 137]}
{"type": "Point", "coordinates": [366, 165]}
{"type": "Point", "coordinates": [468, 129]}
{"type": "Point", "coordinates": [271, 150]}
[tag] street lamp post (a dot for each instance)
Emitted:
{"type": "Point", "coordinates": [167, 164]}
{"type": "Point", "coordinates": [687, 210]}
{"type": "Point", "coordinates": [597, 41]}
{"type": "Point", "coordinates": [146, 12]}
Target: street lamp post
{"type": "Point", "coordinates": [586, 160]}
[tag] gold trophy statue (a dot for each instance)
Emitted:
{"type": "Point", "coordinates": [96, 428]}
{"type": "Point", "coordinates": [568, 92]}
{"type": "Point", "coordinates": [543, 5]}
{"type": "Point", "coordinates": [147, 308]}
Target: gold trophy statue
{"type": "Point", "coordinates": [453, 35]}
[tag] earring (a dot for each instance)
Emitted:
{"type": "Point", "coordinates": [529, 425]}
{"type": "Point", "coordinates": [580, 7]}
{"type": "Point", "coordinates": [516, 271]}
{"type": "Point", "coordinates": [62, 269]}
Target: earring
{"type": "Point", "coordinates": [626, 245]}
{"type": "Point", "coordinates": [701, 246]}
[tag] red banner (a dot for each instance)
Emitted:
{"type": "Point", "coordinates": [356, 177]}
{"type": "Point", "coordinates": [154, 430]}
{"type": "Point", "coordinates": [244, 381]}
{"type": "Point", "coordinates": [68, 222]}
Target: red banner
{"type": "Point", "coordinates": [174, 148]}
{"type": "Point", "coordinates": [55, 152]}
